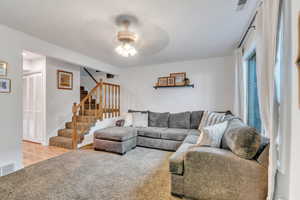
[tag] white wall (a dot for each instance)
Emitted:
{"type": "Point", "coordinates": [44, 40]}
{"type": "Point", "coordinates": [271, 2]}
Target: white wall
{"type": "Point", "coordinates": [11, 104]}
{"type": "Point", "coordinates": [59, 102]}
{"type": "Point", "coordinates": [213, 79]}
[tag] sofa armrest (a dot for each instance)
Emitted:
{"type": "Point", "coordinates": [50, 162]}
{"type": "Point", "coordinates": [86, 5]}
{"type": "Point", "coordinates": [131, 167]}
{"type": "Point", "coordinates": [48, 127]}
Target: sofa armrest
{"type": "Point", "coordinates": [212, 173]}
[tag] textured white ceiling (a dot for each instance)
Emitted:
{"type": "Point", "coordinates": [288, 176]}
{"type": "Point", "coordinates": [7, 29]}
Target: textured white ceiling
{"type": "Point", "coordinates": [170, 31]}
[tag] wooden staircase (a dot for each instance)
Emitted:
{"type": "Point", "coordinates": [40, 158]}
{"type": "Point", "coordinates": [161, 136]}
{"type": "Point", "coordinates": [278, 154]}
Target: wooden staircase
{"type": "Point", "coordinates": [103, 101]}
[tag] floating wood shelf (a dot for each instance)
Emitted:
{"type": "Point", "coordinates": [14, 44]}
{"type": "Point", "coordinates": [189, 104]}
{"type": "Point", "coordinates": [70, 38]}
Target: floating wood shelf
{"type": "Point", "coordinates": [176, 86]}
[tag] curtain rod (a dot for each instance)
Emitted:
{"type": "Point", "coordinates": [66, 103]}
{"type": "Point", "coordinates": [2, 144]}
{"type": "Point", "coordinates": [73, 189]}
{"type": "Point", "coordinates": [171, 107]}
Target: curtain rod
{"type": "Point", "coordinates": [247, 32]}
{"type": "Point", "coordinates": [250, 26]}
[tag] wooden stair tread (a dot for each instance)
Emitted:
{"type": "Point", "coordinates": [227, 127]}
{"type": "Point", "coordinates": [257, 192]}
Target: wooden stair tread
{"type": "Point", "coordinates": [68, 133]}
{"type": "Point", "coordinates": [80, 125]}
{"type": "Point", "coordinates": [59, 141]}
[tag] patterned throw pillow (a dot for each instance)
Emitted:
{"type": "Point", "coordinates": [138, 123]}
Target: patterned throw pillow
{"type": "Point", "coordinates": [211, 118]}
{"type": "Point", "coordinates": [211, 136]}
{"type": "Point", "coordinates": [120, 123]}
{"type": "Point", "coordinates": [140, 120]}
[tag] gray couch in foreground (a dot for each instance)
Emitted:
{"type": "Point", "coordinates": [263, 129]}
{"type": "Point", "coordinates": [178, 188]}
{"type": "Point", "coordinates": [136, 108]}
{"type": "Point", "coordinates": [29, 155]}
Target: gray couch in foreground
{"type": "Point", "coordinates": [214, 173]}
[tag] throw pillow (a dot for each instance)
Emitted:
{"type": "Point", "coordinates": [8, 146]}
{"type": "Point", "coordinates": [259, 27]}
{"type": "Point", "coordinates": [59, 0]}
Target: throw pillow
{"type": "Point", "coordinates": [211, 136]}
{"type": "Point", "coordinates": [233, 123]}
{"type": "Point", "coordinates": [242, 140]}
{"type": "Point", "coordinates": [158, 119]}
{"type": "Point", "coordinates": [140, 120]}
{"type": "Point", "coordinates": [196, 117]}
{"type": "Point", "coordinates": [120, 123]}
{"type": "Point", "coordinates": [180, 120]}
{"type": "Point", "coordinates": [128, 117]}
{"type": "Point", "coordinates": [211, 118]}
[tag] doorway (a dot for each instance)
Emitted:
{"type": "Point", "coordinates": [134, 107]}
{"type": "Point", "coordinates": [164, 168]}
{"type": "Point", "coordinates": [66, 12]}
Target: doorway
{"type": "Point", "coordinates": [34, 97]}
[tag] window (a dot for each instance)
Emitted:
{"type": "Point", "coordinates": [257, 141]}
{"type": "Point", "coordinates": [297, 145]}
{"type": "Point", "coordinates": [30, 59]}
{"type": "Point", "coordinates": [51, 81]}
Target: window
{"type": "Point", "coordinates": [253, 110]}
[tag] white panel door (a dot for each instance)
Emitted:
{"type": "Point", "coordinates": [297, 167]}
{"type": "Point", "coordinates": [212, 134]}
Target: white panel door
{"type": "Point", "coordinates": [33, 121]}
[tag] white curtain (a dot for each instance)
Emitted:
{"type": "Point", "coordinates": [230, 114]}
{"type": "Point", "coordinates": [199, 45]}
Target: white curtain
{"type": "Point", "coordinates": [239, 109]}
{"type": "Point", "coordinates": [266, 36]}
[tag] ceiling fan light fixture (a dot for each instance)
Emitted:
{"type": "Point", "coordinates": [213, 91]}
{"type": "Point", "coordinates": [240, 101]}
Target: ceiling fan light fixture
{"type": "Point", "coordinates": [126, 50]}
{"type": "Point", "coordinates": [127, 39]}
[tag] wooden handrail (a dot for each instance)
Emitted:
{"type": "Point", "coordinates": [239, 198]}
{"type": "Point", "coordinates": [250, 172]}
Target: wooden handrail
{"type": "Point", "coordinates": [92, 77]}
{"type": "Point", "coordinates": [103, 101]}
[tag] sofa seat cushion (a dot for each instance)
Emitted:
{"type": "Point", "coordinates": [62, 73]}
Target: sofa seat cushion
{"type": "Point", "coordinates": [174, 134]}
{"type": "Point", "coordinates": [152, 132]}
{"type": "Point", "coordinates": [191, 139]}
{"type": "Point", "coordinates": [116, 133]}
{"type": "Point", "coordinates": [176, 162]}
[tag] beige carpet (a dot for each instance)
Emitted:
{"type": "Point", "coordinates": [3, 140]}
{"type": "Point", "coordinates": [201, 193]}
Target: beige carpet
{"type": "Point", "coordinates": [142, 174]}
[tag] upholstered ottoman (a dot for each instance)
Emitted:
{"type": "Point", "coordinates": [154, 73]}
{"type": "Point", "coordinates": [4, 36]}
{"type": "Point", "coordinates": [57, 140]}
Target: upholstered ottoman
{"type": "Point", "coordinates": [115, 139]}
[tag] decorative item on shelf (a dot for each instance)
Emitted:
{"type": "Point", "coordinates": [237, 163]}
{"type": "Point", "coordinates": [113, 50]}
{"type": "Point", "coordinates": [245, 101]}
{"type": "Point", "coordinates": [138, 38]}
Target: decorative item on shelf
{"type": "Point", "coordinates": [175, 80]}
{"type": "Point", "coordinates": [162, 81]}
{"type": "Point", "coordinates": [171, 81]}
{"type": "Point", "coordinates": [179, 78]}
{"type": "Point", "coordinates": [5, 85]}
{"type": "Point", "coordinates": [3, 68]}
{"type": "Point", "coordinates": [187, 81]}
{"type": "Point", "coordinates": [64, 80]}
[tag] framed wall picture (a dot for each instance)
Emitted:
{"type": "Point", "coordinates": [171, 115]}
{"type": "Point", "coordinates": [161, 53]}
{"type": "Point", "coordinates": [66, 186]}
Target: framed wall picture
{"type": "Point", "coordinates": [171, 81]}
{"type": "Point", "coordinates": [64, 80]}
{"type": "Point", "coordinates": [179, 78]}
{"type": "Point", "coordinates": [5, 85]}
{"type": "Point", "coordinates": [3, 68]}
{"type": "Point", "coordinates": [162, 81]}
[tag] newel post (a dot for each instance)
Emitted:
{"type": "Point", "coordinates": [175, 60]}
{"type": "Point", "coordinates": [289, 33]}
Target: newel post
{"type": "Point", "coordinates": [74, 121]}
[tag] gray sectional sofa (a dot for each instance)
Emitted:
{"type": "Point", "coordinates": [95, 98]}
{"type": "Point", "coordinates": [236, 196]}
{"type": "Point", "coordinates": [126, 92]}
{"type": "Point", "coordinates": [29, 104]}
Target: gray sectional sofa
{"type": "Point", "coordinates": [165, 131]}
{"type": "Point", "coordinates": [196, 172]}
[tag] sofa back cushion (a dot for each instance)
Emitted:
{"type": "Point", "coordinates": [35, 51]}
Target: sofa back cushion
{"type": "Point", "coordinates": [140, 120]}
{"type": "Point", "coordinates": [241, 139]}
{"type": "Point", "coordinates": [158, 119]}
{"type": "Point", "coordinates": [196, 117]}
{"type": "Point", "coordinates": [180, 120]}
{"type": "Point", "coordinates": [138, 111]}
